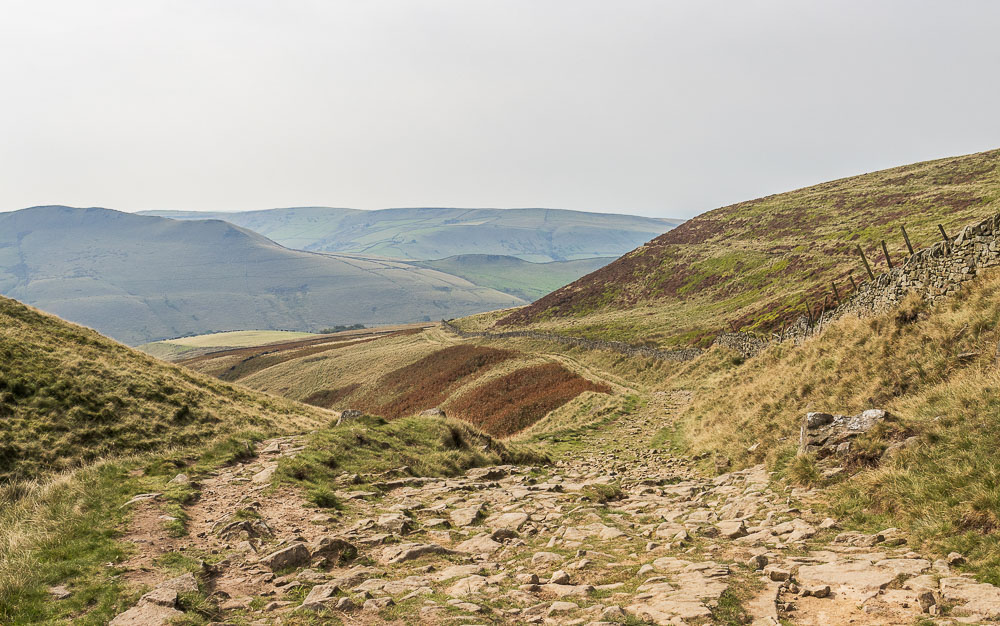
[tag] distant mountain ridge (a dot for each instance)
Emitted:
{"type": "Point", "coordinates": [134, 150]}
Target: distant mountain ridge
{"type": "Point", "coordinates": [537, 235]}
{"type": "Point", "coordinates": [142, 278]}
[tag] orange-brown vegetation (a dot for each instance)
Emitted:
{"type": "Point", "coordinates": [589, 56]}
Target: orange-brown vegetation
{"type": "Point", "coordinates": [513, 402]}
{"type": "Point", "coordinates": [426, 383]}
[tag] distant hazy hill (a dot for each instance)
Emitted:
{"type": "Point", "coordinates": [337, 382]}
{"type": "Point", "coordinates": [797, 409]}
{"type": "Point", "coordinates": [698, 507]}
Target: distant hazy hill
{"type": "Point", "coordinates": [757, 264]}
{"type": "Point", "coordinates": [526, 280]}
{"type": "Point", "coordinates": [538, 235]}
{"type": "Point", "coordinates": [142, 278]}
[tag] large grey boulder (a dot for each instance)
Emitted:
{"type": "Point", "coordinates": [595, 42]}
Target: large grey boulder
{"type": "Point", "coordinates": [824, 434]}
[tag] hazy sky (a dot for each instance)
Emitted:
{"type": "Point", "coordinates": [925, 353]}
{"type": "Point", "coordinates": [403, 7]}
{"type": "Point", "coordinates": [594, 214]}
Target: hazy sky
{"type": "Point", "coordinates": [659, 107]}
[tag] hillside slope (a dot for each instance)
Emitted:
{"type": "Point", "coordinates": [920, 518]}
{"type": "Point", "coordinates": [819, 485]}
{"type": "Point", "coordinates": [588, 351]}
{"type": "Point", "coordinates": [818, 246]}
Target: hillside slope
{"type": "Point", "coordinates": [139, 278]}
{"type": "Point", "coordinates": [538, 235]}
{"type": "Point", "coordinates": [69, 395]}
{"type": "Point", "coordinates": [755, 265]}
{"type": "Point", "coordinates": [523, 279]}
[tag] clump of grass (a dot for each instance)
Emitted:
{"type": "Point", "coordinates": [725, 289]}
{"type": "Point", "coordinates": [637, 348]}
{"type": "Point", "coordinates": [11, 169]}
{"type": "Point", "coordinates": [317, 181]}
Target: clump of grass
{"type": "Point", "coordinates": [602, 493]}
{"type": "Point", "coordinates": [802, 470]}
{"type": "Point", "coordinates": [427, 446]}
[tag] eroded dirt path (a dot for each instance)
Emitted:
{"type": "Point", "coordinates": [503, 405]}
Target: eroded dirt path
{"type": "Point", "coordinates": [613, 532]}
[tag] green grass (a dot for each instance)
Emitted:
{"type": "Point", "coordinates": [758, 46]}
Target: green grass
{"type": "Point", "coordinates": [526, 280]}
{"type": "Point", "coordinates": [370, 445]}
{"type": "Point", "coordinates": [70, 396]}
{"type": "Point", "coordinates": [944, 489]}
{"type": "Point", "coordinates": [757, 263]}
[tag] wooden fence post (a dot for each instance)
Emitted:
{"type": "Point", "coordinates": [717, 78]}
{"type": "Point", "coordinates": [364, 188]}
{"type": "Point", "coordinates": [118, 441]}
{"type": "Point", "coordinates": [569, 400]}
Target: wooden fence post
{"type": "Point", "coordinates": [906, 238]}
{"type": "Point", "coordinates": [836, 292]}
{"type": "Point", "coordinates": [947, 239]}
{"type": "Point", "coordinates": [871, 274]}
{"type": "Point", "coordinates": [885, 251]}
{"type": "Point", "coordinates": [854, 285]}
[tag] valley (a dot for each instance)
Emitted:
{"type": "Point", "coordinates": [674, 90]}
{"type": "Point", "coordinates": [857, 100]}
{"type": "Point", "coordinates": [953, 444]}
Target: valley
{"type": "Point", "coordinates": [421, 473]}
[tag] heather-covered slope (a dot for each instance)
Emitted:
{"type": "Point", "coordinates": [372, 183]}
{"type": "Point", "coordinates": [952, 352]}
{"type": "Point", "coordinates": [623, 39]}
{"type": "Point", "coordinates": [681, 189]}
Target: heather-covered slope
{"type": "Point", "coordinates": [756, 264]}
{"type": "Point", "coordinates": [69, 395]}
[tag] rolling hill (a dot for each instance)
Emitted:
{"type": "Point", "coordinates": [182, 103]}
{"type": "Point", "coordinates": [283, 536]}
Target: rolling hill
{"type": "Point", "coordinates": [69, 396]}
{"type": "Point", "coordinates": [539, 235]}
{"type": "Point", "coordinates": [756, 265]}
{"type": "Point", "coordinates": [143, 278]}
{"type": "Point", "coordinates": [524, 279]}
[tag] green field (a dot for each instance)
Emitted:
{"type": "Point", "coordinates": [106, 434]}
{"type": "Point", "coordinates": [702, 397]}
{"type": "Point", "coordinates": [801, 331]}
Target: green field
{"type": "Point", "coordinates": [232, 339]}
{"type": "Point", "coordinates": [526, 280]}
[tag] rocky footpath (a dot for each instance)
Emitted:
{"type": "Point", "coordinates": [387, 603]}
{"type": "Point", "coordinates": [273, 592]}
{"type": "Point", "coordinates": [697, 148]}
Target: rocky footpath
{"type": "Point", "coordinates": [613, 532]}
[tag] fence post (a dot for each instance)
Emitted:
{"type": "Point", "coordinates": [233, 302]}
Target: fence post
{"type": "Point", "coordinates": [871, 274]}
{"type": "Point", "coordinates": [854, 285]}
{"type": "Point", "coordinates": [947, 239]}
{"type": "Point", "coordinates": [885, 251]}
{"type": "Point", "coordinates": [906, 238]}
{"type": "Point", "coordinates": [836, 292]}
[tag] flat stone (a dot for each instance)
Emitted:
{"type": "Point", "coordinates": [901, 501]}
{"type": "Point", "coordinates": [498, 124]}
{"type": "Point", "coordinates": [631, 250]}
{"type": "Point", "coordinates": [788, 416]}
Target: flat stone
{"type": "Point", "coordinates": [294, 555]}
{"type": "Point", "coordinates": [980, 600]}
{"type": "Point", "coordinates": [858, 580]}
{"type": "Point", "coordinates": [508, 521]}
{"type": "Point", "coordinates": [480, 544]}
{"type": "Point", "coordinates": [467, 585]}
{"type": "Point", "coordinates": [320, 597]}
{"type": "Point", "coordinates": [146, 614]}
{"type": "Point", "coordinates": [467, 516]}
{"type": "Point", "coordinates": [409, 551]}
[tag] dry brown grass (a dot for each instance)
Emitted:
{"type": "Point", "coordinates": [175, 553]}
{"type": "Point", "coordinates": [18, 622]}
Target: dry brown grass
{"type": "Point", "coordinates": [429, 381]}
{"type": "Point", "coordinates": [507, 405]}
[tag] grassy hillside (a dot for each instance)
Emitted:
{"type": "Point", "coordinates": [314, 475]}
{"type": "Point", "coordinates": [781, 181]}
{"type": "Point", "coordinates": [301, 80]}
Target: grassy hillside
{"type": "Point", "coordinates": [756, 264]}
{"type": "Point", "coordinates": [69, 396]}
{"type": "Point", "coordinates": [140, 279]}
{"type": "Point", "coordinates": [538, 235]}
{"type": "Point", "coordinates": [400, 374]}
{"type": "Point", "coordinates": [944, 489]}
{"type": "Point", "coordinates": [526, 280]}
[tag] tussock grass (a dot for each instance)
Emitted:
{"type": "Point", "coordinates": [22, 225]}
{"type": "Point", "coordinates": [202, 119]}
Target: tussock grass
{"type": "Point", "coordinates": [934, 368]}
{"type": "Point", "coordinates": [69, 396]}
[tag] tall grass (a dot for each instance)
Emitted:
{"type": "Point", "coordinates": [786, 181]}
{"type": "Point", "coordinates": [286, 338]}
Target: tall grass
{"type": "Point", "coordinates": [933, 368]}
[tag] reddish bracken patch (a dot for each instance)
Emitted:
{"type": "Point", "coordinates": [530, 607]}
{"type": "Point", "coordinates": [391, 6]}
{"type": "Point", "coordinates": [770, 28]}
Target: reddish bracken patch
{"type": "Point", "coordinates": [426, 383]}
{"type": "Point", "coordinates": [509, 404]}
{"type": "Point", "coordinates": [328, 398]}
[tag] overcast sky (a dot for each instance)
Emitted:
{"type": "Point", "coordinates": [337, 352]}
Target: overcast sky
{"type": "Point", "coordinates": [660, 107]}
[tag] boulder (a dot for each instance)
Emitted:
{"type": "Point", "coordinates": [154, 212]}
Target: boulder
{"type": "Point", "coordinates": [408, 551]}
{"type": "Point", "coordinates": [294, 555]}
{"type": "Point", "coordinates": [823, 433]}
{"type": "Point", "coordinates": [348, 415]}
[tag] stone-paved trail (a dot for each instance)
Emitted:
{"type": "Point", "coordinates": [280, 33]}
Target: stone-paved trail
{"type": "Point", "coordinates": [613, 532]}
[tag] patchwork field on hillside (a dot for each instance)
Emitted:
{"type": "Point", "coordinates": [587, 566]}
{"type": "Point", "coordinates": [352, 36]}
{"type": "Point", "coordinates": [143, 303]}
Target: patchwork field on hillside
{"type": "Point", "coordinates": [403, 373]}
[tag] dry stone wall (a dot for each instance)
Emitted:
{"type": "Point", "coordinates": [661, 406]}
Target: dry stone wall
{"type": "Point", "coordinates": [933, 272]}
{"type": "Point", "coordinates": [685, 354]}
